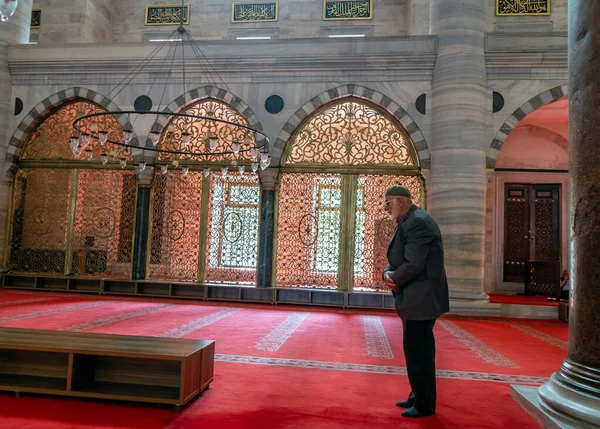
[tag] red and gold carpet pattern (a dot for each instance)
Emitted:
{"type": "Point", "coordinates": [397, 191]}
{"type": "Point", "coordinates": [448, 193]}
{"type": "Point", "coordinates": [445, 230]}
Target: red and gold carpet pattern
{"type": "Point", "coordinates": [295, 367]}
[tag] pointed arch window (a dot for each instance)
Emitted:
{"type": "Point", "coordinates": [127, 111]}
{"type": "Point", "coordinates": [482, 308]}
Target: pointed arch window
{"type": "Point", "coordinates": [332, 227]}
{"type": "Point", "coordinates": [205, 225]}
{"type": "Point", "coordinates": [71, 220]}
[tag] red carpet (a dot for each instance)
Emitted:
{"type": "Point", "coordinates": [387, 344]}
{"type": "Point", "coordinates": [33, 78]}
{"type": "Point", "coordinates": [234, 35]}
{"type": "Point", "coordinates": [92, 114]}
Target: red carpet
{"type": "Point", "coordinates": [521, 300]}
{"type": "Point", "coordinates": [296, 367]}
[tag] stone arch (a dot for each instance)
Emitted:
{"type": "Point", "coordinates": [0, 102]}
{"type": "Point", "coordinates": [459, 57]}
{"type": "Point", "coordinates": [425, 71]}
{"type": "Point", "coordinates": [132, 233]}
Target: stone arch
{"type": "Point", "coordinates": [48, 106]}
{"type": "Point", "coordinates": [357, 91]}
{"type": "Point", "coordinates": [536, 102]}
{"type": "Point", "coordinates": [203, 92]}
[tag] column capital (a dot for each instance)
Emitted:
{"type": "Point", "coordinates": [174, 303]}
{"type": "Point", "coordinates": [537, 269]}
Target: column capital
{"type": "Point", "coordinates": [145, 176]}
{"type": "Point", "coordinates": [268, 178]}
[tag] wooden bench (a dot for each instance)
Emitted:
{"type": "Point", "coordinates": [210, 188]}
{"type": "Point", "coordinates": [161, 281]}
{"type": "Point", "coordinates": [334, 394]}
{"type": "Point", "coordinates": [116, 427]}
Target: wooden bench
{"type": "Point", "coordinates": [143, 369]}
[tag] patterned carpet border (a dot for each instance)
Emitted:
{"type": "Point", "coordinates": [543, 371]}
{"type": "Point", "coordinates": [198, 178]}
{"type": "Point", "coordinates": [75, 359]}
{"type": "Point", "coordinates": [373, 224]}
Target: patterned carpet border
{"type": "Point", "coordinates": [481, 349]}
{"type": "Point", "coordinates": [25, 301]}
{"type": "Point", "coordinates": [379, 369]}
{"type": "Point", "coordinates": [278, 336]}
{"type": "Point", "coordinates": [543, 336]}
{"type": "Point", "coordinates": [54, 311]}
{"type": "Point", "coordinates": [199, 323]}
{"type": "Point", "coordinates": [116, 318]}
{"type": "Point", "coordinates": [376, 341]}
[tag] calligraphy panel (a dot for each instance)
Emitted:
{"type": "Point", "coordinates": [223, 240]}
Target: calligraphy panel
{"type": "Point", "coordinates": [36, 18]}
{"type": "Point", "coordinates": [347, 9]}
{"type": "Point", "coordinates": [254, 12]}
{"type": "Point", "coordinates": [167, 14]}
{"type": "Point", "coordinates": [522, 7]}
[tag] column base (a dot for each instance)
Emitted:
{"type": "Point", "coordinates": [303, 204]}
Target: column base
{"type": "Point", "coordinates": [571, 399]}
{"type": "Point", "coordinates": [472, 304]}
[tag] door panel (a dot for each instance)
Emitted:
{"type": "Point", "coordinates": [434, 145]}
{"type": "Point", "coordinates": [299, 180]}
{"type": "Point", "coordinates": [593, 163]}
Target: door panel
{"type": "Point", "coordinates": [532, 228]}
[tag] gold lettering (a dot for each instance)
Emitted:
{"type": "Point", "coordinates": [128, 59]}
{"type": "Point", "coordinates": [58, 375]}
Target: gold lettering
{"type": "Point", "coordinates": [522, 7]}
{"type": "Point", "coordinates": [347, 9]}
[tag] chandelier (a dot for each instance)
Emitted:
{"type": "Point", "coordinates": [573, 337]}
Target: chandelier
{"type": "Point", "coordinates": [91, 131]}
{"type": "Point", "coordinates": [7, 9]}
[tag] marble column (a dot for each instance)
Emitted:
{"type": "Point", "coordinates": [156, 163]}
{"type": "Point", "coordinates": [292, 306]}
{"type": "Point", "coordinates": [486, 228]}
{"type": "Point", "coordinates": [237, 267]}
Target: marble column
{"type": "Point", "coordinates": [82, 21]}
{"type": "Point", "coordinates": [457, 191]}
{"type": "Point", "coordinates": [572, 396]}
{"type": "Point", "coordinates": [142, 217]}
{"type": "Point", "coordinates": [266, 228]}
{"type": "Point", "coordinates": [15, 31]}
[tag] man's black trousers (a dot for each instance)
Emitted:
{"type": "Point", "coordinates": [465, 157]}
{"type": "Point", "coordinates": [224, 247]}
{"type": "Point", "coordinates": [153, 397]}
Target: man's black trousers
{"type": "Point", "coordinates": [419, 351]}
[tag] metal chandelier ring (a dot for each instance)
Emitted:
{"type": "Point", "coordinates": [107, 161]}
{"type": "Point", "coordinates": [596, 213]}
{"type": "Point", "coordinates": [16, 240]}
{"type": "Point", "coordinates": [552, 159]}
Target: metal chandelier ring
{"type": "Point", "coordinates": [184, 115]}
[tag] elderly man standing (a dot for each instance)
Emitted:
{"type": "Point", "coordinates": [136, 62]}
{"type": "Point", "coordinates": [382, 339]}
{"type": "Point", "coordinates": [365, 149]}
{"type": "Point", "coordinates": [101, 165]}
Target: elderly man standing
{"type": "Point", "coordinates": [417, 278]}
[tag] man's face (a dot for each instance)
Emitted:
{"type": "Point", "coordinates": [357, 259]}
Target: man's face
{"type": "Point", "coordinates": [395, 207]}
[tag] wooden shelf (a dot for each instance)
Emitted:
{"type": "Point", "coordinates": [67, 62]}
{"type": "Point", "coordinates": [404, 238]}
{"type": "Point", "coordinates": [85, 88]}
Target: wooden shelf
{"type": "Point", "coordinates": [143, 369]}
{"type": "Point", "coordinates": [202, 291]}
{"type": "Point", "coordinates": [133, 392]}
{"type": "Point", "coordinates": [10, 381]}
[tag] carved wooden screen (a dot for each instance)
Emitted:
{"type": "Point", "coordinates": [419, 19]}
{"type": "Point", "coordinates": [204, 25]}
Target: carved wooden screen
{"type": "Point", "coordinates": [374, 228]}
{"type": "Point", "coordinates": [232, 239]}
{"type": "Point", "coordinates": [175, 229]}
{"type": "Point", "coordinates": [309, 230]}
{"type": "Point", "coordinates": [40, 220]}
{"type": "Point", "coordinates": [104, 221]}
{"type": "Point", "coordinates": [332, 229]}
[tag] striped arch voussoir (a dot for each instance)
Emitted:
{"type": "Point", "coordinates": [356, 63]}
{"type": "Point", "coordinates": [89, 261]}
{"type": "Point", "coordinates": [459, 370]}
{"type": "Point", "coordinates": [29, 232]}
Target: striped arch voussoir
{"type": "Point", "coordinates": [344, 91]}
{"type": "Point", "coordinates": [536, 102]}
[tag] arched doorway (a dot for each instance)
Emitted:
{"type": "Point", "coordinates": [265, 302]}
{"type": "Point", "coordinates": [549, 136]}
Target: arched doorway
{"type": "Point", "coordinates": [71, 215]}
{"type": "Point", "coordinates": [332, 229]}
{"type": "Point", "coordinates": [204, 224]}
{"type": "Point", "coordinates": [528, 202]}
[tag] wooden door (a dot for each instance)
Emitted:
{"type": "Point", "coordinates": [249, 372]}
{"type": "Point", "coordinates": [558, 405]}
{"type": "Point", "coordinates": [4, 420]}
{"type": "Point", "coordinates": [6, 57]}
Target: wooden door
{"type": "Point", "coordinates": [531, 227]}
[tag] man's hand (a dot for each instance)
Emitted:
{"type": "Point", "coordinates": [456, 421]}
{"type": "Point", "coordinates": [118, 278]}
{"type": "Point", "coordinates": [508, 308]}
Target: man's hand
{"type": "Point", "coordinates": [389, 282]}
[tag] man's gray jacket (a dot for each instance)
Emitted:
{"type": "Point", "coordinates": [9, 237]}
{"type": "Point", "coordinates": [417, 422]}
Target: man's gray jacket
{"type": "Point", "coordinates": [416, 262]}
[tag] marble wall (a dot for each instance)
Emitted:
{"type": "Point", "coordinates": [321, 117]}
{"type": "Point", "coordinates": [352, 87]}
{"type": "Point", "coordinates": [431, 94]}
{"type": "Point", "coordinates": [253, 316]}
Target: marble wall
{"type": "Point", "coordinates": [63, 21]}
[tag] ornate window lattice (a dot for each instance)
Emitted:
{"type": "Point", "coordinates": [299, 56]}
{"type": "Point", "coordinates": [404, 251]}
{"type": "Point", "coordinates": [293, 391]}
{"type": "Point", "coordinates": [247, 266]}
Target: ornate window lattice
{"type": "Point", "coordinates": [176, 213]}
{"type": "Point", "coordinates": [308, 230]}
{"type": "Point", "coordinates": [350, 132]}
{"type": "Point", "coordinates": [103, 225]}
{"type": "Point", "coordinates": [233, 215]}
{"type": "Point", "coordinates": [202, 129]}
{"type": "Point", "coordinates": [374, 228]}
{"type": "Point", "coordinates": [40, 220]}
{"type": "Point", "coordinates": [332, 224]}
{"type": "Point", "coordinates": [102, 222]}
{"type": "Point", "coordinates": [224, 222]}
{"type": "Point", "coordinates": [50, 140]}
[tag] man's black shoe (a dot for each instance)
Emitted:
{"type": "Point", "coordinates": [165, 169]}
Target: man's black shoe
{"type": "Point", "coordinates": [406, 404]}
{"type": "Point", "coordinates": [414, 412]}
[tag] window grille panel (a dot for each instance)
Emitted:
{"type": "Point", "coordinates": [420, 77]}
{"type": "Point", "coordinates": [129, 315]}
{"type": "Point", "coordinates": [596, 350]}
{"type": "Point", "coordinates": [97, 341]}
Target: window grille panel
{"type": "Point", "coordinates": [40, 220]}
{"type": "Point", "coordinates": [176, 212]}
{"type": "Point", "coordinates": [308, 231]}
{"type": "Point", "coordinates": [233, 217]}
{"type": "Point", "coordinates": [374, 228]}
{"type": "Point", "coordinates": [103, 225]}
